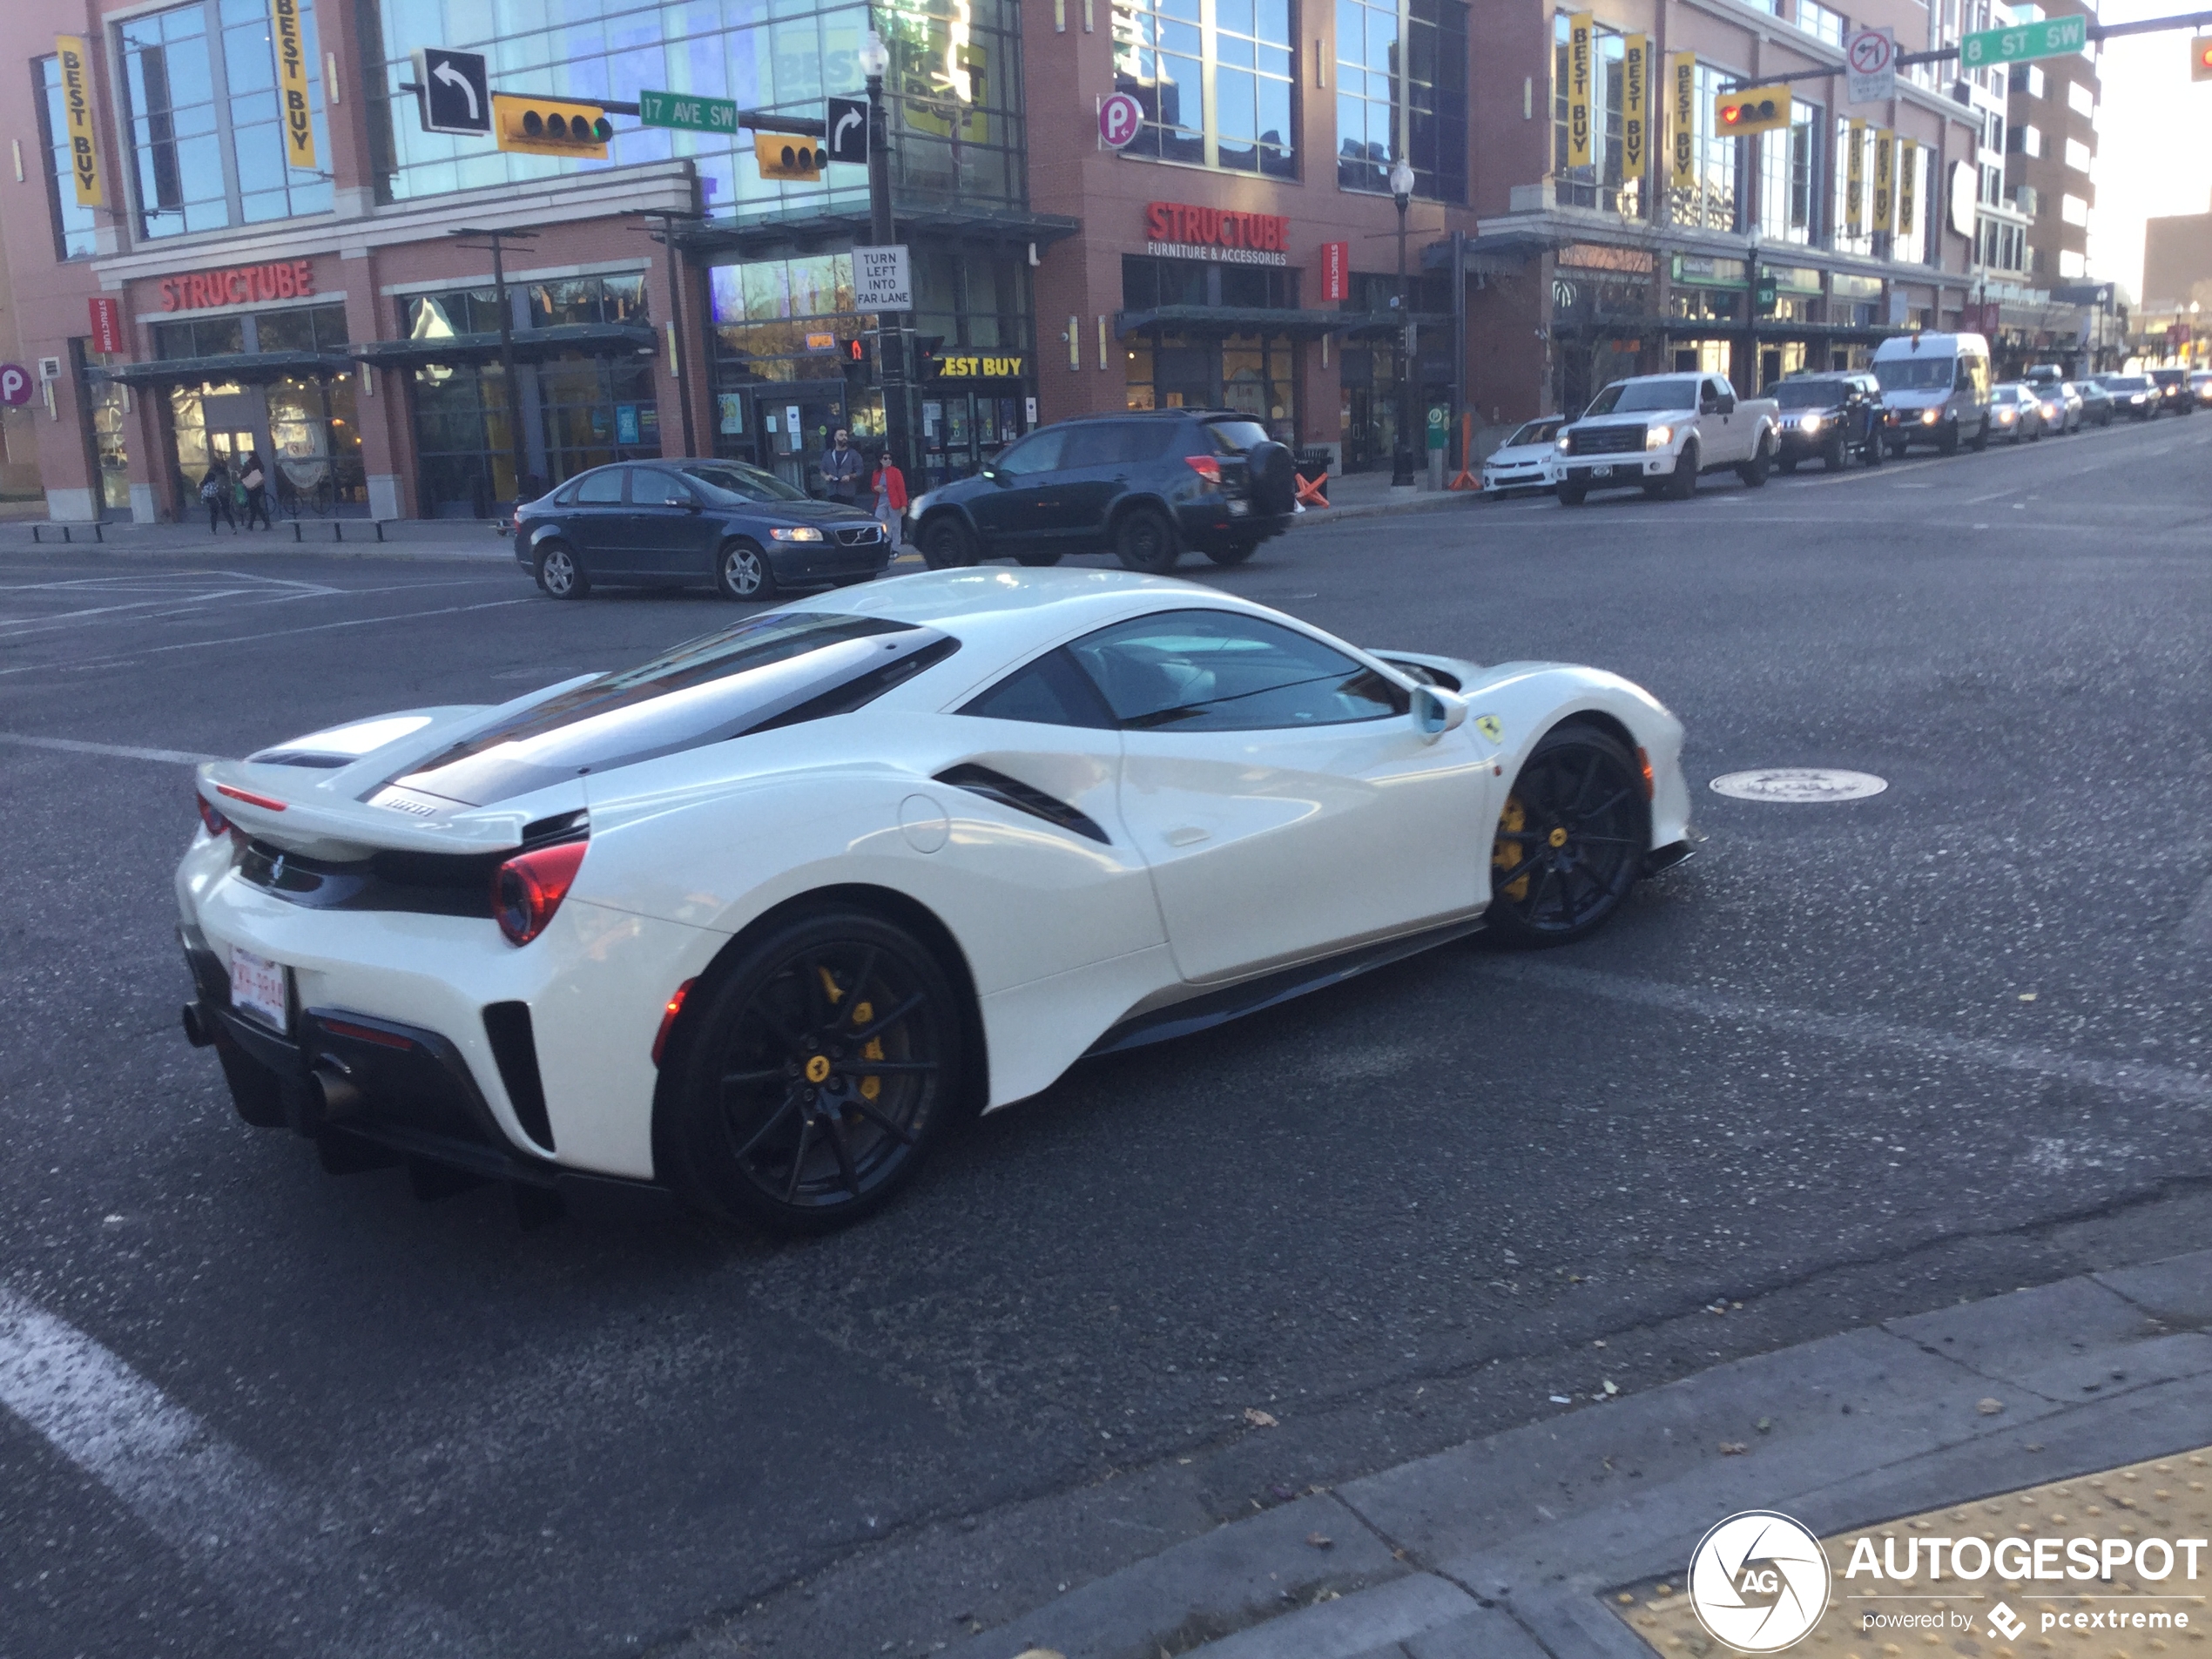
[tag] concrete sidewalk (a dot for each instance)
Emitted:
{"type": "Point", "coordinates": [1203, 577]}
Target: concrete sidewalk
{"type": "Point", "coordinates": [1508, 1547]}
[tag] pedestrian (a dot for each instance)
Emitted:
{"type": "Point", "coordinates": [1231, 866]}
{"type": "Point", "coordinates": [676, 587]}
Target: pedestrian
{"type": "Point", "coordinates": [890, 486]}
{"type": "Point", "coordinates": [841, 468]}
{"type": "Point", "coordinates": [215, 490]}
{"type": "Point", "coordinates": [255, 480]}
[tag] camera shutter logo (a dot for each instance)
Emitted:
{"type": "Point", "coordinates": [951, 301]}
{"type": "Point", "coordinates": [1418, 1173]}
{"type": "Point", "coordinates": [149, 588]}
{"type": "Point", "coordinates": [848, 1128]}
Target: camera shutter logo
{"type": "Point", "coordinates": [1759, 1581]}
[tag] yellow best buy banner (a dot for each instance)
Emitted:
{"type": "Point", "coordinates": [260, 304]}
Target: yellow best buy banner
{"type": "Point", "coordinates": [1908, 175]}
{"type": "Point", "coordinates": [1885, 178]}
{"type": "Point", "coordinates": [1855, 180]}
{"type": "Point", "coordinates": [1681, 76]}
{"type": "Point", "coordinates": [291, 45]}
{"type": "Point", "coordinates": [1636, 107]}
{"type": "Point", "coordinates": [1582, 71]}
{"type": "Point", "coordinates": [81, 130]}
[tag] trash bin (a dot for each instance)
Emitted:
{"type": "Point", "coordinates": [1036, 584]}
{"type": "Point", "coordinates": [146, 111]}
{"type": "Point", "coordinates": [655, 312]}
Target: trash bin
{"type": "Point", "coordinates": [1313, 469]}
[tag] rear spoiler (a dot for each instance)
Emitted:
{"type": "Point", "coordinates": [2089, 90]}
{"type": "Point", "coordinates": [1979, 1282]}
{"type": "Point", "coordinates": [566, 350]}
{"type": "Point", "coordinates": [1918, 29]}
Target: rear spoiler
{"type": "Point", "coordinates": [274, 809]}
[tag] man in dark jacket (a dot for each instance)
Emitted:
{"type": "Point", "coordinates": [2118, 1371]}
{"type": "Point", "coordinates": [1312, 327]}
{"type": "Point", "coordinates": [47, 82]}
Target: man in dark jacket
{"type": "Point", "coordinates": [841, 468]}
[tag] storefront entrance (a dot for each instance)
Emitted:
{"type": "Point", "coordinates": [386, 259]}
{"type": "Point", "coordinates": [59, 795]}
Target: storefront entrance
{"type": "Point", "coordinates": [963, 429]}
{"type": "Point", "coordinates": [302, 429]}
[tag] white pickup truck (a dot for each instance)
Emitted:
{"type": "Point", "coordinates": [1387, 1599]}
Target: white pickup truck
{"type": "Point", "coordinates": [1660, 431]}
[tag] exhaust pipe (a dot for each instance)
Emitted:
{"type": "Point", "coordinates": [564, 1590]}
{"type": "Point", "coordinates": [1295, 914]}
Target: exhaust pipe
{"type": "Point", "coordinates": [200, 1030]}
{"type": "Point", "coordinates": [335, 1093]}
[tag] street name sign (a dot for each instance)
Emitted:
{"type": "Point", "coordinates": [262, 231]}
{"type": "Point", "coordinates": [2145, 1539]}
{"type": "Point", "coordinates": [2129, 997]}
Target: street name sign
{"type": "Point", "coordinates": [1870, 56]}
{"type": "Point", "coordinates": [454, 90]}
{"type": "Point", "coordinates": [686, 113]}
{"type": "Point", "coordinates": [882, 279]}
{"type": "Point", "coordinates": [2054, 37]}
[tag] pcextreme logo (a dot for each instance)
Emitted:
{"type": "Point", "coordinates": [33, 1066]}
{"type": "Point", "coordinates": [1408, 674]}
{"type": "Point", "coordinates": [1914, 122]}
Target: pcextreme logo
{"type": "Point", "coordinates": [1759, 1581]}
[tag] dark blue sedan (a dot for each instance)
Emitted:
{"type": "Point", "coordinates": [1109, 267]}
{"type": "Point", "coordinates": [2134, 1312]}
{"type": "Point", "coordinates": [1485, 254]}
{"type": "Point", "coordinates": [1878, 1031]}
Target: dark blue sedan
{"type": "Point", "coordinates": [678, 524]}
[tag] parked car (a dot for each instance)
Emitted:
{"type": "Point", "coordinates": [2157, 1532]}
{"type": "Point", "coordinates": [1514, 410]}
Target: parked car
{"type": "Point", "coordinates": [1935, 389]}
{"type": "Point", "coordinates": [2176, 396]}
{"type": "Point", "coordinates": [1661, 431]}
{"type": "Point", "coordinates": [2061, 405]}
{"type": "Point", "coordinates": [682, 524]}
{"type": "Point", "coordinates": [1523, 461]}
{"type": "Point", "coordinates": [2016, 412]}
{"type": "Point", "coordinates": [2201, 383]}
{"type": "Point", "coordinates": [2096, 402]}
{"type": "Point", "coordinates": [1831, 416]}
{"type": "Point", "coordinates": [2132, 394]}
{"type": "Point", "coordinates": [1143, 487]}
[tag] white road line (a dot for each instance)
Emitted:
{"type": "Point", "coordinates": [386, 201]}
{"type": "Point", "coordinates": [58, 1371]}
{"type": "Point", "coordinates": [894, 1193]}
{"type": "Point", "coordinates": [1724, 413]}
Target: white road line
{"type": "Point", "coordinates": [2127, 1076]}
{"type": "Point", "coordinates": [273, 1556]}
{"type": "Point", "coordinates": [121, 750]}
{"type": "Point", "coordinates": [247, 639]}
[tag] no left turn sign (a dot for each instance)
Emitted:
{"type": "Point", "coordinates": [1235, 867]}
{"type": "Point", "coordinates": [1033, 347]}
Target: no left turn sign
{"type": "Point", "coordinates": [1871, 57]}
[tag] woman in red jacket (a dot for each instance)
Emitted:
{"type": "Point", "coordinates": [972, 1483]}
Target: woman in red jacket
{"type": "Point", "coordinates": [890, 486]}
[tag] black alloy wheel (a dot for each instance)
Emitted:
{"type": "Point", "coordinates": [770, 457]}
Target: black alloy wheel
{"type": "Point", "coordinates": [560, 574]}
{"type": "Point", "coordinates": [1570, 841]}
{"type": "Point", "coordinates": [1835, 456]}
{"type": "Point", "coordinates": [1754, 472]}
{"type": "Point", "coordinates": [1145, 541]}
{"type": "Point", "coordinates": [1231, 552]}
{"type": "Point", "coordinates": [741, 572]}
{"type": "Point", "coordinates": [1683, 483]}
{"type": "Point", "coordinates": [946, 543]}
{"type": "Point", "coordinates": [816, 1075]}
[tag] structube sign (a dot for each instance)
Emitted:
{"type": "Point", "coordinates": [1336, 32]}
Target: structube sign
{"type": "Point", "coordinates": [1681, 75]}
{"type": "Point", "coordinates": [1581, 66]}
{"type": "Point", "coordinates": [241, 284]}
{"type": "Point", "coordinates": [76, 114]}
{"type": "Point", "coordinates": [1636, 106]}
{"type": "Point", "coordinates": [1180, 231]}
{"type": "Point", "coordinates": [291, 83]}
{"type": "Point", "coordinates": [106, 318]}
{"type": "Point", "coordinates": [1336, 270]}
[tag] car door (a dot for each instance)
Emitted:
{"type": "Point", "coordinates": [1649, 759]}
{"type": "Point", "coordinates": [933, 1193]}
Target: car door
{"type": "Point", "coordinates": [1281, 792]}
{"type": "Point", "coordinates": [1717, 424]}
{"type": "Point", "coordinates": [594, 525]}
{"type": "Point", "coordinates": [673, 539]}
{"type": "Point", "coordinates": [1021, 497]}
{"type": "Point", "coordinates": [1095, 471]}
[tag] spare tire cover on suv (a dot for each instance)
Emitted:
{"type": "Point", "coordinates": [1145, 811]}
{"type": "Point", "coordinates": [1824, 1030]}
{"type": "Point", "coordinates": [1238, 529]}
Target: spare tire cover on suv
{"type": "Point", "coordinates": [1274, 476]}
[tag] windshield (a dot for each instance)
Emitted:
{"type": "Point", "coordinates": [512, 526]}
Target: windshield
{"type": "Point", "coordinates": [1915, 374]}
{"type": "Point", "coordinates": [1534, 432]}
{"type": "Point", "coordinates": [1632, 397]}
{"type": "Point", "coordinates": [1810, 394]}
{"type": "Point", "coordinates": [2167, 377]}
{"type": "Point", "coordinates": [2125, 383]}
{"type": "Point", "coordinates": [769, 671]}
{"type": "Point", "coordinates": [731, 481]}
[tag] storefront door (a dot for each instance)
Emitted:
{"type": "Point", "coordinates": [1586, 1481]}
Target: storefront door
{"type": "Point", "coordinates": [963, 429]}
{"type": "Point", "coordinates": [792, 425]}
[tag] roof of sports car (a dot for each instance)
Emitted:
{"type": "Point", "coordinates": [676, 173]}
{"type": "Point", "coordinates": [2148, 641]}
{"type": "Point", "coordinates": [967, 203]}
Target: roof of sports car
{"type": "Point", "coordinates": [1037, 603]}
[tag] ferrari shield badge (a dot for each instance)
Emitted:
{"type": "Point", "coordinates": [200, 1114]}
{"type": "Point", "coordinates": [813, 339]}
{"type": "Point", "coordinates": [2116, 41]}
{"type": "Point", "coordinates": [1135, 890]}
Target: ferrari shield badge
{"type": "Point", "coordinates": [1491, 727]}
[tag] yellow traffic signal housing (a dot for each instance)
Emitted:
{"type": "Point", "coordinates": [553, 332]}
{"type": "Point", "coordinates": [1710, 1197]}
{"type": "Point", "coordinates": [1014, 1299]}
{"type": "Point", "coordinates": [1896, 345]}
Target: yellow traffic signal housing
{"type": "Point", "coordinates": [786, 155]}
{"type": "Point", "coordinates": [2201, 58]}
{"type": "Point", "coordinates": [550, 126]}
{"type": "Point", "coordinates": [1756, 109]}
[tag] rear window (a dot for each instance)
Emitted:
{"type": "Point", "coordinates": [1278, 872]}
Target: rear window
{"type": "Point", "coordinates": [769, 671]}
{"type": "Point", "coordinates": [1236, 437]}
{"type": "Point", "coordinates": [2124, 383]}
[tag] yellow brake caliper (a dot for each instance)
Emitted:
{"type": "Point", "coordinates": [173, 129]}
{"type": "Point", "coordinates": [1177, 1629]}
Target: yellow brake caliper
{"type": "Point", "coordinates": [1505, 854]}
{"type": "Point", "coordinates": [862, 1013]}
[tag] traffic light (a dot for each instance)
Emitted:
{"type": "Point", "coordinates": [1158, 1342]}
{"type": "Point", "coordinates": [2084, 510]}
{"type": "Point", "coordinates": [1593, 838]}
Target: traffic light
{"type": "Point", "coordinates": [1757, 109]}
{"type": "Point", "coordinates": [2201, 58]}
{"type": "Point", "coordinates": [929, 363]}
{"type": "Point", "coordinates": [786, 155]}
{"type": "Point", "coordinates": [551, 127]}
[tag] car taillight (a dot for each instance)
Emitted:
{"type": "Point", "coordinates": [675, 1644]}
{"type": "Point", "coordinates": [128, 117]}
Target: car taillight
{"type": "Point", "coordinates": [529, 888]}
{"type": "Point", "coordinates": [217, 826]}
{"type": "Point", "coordinates": [1207, 467]}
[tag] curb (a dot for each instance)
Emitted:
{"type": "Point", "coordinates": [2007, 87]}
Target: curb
{"type": "Point", "coordinates": [1426, 502]}
{"type": "Point", "coordinates": [1503, 1545]}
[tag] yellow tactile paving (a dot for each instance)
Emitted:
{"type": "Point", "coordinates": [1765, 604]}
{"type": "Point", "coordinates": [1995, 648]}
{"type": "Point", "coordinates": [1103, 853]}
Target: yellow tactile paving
{"type": "Point", "coordinates": [2165, 1498]}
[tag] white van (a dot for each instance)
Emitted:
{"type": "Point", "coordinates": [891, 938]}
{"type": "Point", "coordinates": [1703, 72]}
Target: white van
{"type": "Point", "coordinates": [1935, 389]}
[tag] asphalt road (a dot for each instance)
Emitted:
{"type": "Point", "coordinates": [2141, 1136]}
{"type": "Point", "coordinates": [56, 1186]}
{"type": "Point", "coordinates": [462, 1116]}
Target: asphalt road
{"type": "Point", "coordinates": [1852, 1061]}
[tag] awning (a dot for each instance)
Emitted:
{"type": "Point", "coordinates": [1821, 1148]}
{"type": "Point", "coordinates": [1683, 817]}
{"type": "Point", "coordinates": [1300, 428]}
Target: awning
{"type": "Point", "coordinates": [1262, 320]}
{"type": "Point", "coordinates": [531, 345]}
{"type": "Point", "coordinates": [763, 237]}
{"type": "Point", "coordinates": [251, 369]}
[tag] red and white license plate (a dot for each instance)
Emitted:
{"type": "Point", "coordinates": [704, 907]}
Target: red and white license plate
{"type": "Point", "coordinates": [260, 987]}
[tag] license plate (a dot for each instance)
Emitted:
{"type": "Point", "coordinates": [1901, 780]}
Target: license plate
{"type": "Point", "coordinates": [258, 988]}
{"type": "Point", "coordinates": [1604, 472]}
{"type": "Point", "coordinates": [1237, 508]}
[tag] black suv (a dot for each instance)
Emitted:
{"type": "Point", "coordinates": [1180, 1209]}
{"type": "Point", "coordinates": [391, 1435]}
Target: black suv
{"type": "Point", "coordinates": [1833, 416]}
{"type": "Point", "coordinates": [2174, 394]}
{"type": "Point", "coordinates": [1140, 486]}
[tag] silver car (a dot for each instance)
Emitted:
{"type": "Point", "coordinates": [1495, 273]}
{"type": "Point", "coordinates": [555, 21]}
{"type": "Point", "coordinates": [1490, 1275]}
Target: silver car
{"type": "Point", "coordinates": [2016, 412]}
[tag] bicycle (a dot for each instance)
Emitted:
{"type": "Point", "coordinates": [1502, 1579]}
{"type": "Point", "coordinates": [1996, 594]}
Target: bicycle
{"type": "Point", "coordinates": [318, 497]}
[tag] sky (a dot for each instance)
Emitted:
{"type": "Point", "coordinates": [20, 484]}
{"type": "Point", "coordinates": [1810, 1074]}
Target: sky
{"type": "Point", "coordinates": [2153, 158]}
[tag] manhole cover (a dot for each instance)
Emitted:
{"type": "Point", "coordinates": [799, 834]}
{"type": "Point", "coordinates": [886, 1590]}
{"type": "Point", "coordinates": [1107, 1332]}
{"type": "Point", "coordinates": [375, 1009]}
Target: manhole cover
{"type": "Point", "coordinates": [1799, 784]}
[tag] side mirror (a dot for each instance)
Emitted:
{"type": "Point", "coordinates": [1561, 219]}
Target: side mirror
{"type": "Point", "coordinates": [1437, 711]}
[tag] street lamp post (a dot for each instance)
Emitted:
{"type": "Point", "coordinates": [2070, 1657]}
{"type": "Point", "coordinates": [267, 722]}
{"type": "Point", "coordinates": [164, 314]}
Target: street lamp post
{"type": "Point", "coordinates": [495, 242]}
{"type": "Point", "coordinates": [891, 331]}
{"type": "Point", "coordinates": [1401, 459]}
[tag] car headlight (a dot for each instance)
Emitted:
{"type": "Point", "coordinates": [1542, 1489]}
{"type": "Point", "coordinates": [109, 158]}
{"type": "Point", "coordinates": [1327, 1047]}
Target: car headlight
{"type": "Point", "coordinates": [1658, 437]}
{"type": "Point", "coordinates": [794, 533]}
{"type": "Point", "coordinates": [2005, 417]}
{"type": "Point", "coordinates": [1810, 424]}
{"type": "Point", "coordinates": [1928, 417]}
{"type": "Point", "coordinates": [2136, 398]}
{"type": "Point", "coordinates": [1561, 444]}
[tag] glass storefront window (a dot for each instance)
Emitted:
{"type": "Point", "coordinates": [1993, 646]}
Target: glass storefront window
{"type": "Point", "coordinates": [1600, 184]}
{"type": "Point", "coordinates": [1710, 202]}
{"type": "Point", "coordinates": [200, 84]}
{"type": "Point", "coordinates": [1402, 84]}
{"type": "Point", "coordinates": [75, 237]}
{"type": "Point", "coordinates": [1166, 52]}
{"type": "Point", "coordinates": [1789, 167]}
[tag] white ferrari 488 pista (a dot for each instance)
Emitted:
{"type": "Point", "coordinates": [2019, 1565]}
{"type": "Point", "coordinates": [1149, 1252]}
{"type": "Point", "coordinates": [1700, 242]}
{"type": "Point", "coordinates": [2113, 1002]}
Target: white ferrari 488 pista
{"type": "Point", "coordinates": [745, 924]}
